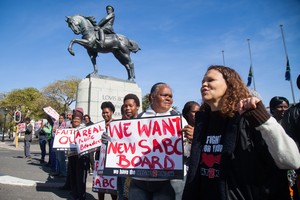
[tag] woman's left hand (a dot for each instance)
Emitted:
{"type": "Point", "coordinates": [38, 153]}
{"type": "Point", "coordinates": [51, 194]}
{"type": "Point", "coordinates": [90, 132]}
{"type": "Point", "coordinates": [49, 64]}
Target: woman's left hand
{"type": "Point", "coordinates": [247, 104]}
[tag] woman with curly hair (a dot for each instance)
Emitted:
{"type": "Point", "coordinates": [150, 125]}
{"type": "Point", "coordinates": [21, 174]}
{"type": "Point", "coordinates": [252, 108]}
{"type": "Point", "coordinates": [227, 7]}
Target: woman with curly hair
{"type": "Point", "coordinates": [237, 148]}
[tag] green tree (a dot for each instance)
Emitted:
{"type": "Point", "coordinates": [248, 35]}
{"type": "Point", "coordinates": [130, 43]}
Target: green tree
{"type": "Point", "coordinates": [62, 91]}
{"type": "Point", "coordinates": [145, 102]}
{"type": "Point", "coordinates": [21, 99]}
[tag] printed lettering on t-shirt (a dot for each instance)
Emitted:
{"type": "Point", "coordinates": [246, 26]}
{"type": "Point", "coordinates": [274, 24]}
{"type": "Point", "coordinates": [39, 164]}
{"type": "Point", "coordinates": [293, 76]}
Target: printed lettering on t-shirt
{"type": "Point", "coordinates": [211, 156]}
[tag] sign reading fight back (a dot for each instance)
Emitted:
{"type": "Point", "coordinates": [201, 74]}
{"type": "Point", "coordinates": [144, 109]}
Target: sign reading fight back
{"type": "Point", "coordinates": [147, 147]}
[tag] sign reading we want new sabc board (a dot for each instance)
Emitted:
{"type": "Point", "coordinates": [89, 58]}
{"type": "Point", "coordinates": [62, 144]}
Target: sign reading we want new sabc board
{"type": "Point", "coordinates": [148, 147]}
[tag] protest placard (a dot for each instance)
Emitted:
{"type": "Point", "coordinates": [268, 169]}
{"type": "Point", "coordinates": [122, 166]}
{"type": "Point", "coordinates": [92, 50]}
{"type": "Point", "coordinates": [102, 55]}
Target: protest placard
{"type": "Point", "coordinates": [65, 139]}
{"type": "Point", "coordinates": [22, 127]}
{"type": "Point", "coordinates": [37, 125]}
{"type": "Point", "coordinates": [89, 138]}
{"type": "Point", "coordinates": [51, 112]}
{"type": "Point", "coordinates": [147, 147]}
{"type": "Point", "coordinates": [101, 183]}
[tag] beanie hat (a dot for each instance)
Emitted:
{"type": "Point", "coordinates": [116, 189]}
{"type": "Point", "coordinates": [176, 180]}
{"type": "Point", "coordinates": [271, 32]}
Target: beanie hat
{"type": "Point", "coordinates": [78, 112]}
{"type": "Point", "coordinates": [298, 82]}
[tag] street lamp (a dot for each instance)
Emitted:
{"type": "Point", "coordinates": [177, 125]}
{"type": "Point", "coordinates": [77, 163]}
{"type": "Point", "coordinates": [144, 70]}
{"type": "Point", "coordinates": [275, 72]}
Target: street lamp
{"type": "Point", "coordinates": [5, 111]}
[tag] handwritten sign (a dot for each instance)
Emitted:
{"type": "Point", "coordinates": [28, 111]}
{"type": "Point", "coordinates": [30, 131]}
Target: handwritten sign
{"type": "Point", "coordinates": [51, 112]}
{"type": "Point", "coordinates": [65, 139]}
{"type": "Point", "coordinates": [37, 125]}
{"type": "Point", "coordinates": [147, 147]}
{"type": "Point", "coordinates": [89, 138]}
{"type": "Point", "coordinates": [101, 183]}
{"type": "Point", "coordinates": [22, 127]}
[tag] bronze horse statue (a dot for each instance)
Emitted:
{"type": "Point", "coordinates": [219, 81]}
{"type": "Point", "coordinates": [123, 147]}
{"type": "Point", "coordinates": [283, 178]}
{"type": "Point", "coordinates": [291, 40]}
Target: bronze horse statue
{"type": "Point", "coordinates": [117, 44]}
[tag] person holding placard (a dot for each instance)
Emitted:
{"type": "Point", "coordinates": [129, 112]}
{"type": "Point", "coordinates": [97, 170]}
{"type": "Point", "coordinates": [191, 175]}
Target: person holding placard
{"type": "Point", "coordinates": [161, 99]}
{"type": "Point", "coordinates": [108, 110]}
{"type": "Point", "coordinates": [43, 135]}
{"type": "Point", "coordinates": [129, 110]}
{"type": "Point", "coordinates": [78, 164]}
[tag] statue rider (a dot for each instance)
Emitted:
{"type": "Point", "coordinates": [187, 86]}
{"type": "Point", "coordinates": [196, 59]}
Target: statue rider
{"type": "Point", "coordinates": [106, 25]}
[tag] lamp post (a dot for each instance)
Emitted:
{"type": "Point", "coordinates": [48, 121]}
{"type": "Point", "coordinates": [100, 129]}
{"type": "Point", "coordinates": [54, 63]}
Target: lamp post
{"type": "Point", "coordinates": [5, 111]}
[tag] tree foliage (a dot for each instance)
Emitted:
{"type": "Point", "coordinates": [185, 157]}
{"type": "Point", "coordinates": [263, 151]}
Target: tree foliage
{"type": "Point", "coordinates": [30, 101]}
{"type": "Point", "coordinates": [145, 102]}
{"type": "Point", "coordinates": [63, 91]}
{"type": "Point", "coordinates": [21, 99]}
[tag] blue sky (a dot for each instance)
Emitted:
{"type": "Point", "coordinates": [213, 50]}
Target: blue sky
{"type": "Point", "coordinates": [179, 39]}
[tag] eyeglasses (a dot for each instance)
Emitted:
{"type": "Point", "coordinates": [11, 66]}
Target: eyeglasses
{"type": "Point", "coordinates": [166, 95]}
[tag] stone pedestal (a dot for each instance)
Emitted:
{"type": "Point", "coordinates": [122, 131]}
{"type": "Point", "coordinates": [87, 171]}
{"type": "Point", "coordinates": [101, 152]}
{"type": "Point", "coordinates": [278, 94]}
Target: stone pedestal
{"type": "Point", "coordinates": [95, 89]}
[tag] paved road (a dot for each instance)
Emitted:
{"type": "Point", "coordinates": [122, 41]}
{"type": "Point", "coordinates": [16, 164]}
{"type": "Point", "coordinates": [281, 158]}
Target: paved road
{"type": "Point", "coordinates": [27, 179]}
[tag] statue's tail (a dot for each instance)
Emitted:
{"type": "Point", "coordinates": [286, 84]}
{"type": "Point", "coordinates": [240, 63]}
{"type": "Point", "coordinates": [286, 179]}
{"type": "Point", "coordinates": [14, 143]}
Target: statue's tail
{"type": "Point", "coordinates": [133, 46]}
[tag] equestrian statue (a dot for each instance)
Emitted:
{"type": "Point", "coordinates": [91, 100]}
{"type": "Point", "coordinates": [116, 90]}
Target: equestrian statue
{"type": "Point", "coordinates": [101, 38]}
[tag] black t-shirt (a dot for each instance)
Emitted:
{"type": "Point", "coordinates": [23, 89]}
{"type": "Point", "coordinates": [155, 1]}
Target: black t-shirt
{"type": "Point", "coordinates": [211, 183]}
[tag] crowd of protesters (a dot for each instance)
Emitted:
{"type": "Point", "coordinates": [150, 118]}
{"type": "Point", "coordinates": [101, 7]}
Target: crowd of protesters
{"type": "Point", "coordinates": [257, 155]}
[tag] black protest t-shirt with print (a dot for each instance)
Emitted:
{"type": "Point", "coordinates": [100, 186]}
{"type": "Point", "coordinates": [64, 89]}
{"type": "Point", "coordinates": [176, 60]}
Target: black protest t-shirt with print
{"type": "Point", "coordinates": [211, 157]}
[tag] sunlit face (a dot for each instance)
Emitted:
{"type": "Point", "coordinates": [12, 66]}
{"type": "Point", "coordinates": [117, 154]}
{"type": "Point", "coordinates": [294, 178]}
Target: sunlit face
{"type": "Point", "coordinates": [69, 116]}
{"type": "Point", "coordinates": [61, 119]}
{"type": "Point", "coordinates": [107, 114]}
{"type": "Point", "coordinates": [191, 115]}
{"type": "Point", "coordinates": [162, 99]}
{"type": "Point", "coordinates": [130, 108]}
{"type": "Point", "coordinates": [86, 119]}
{"type": "Point", "coordinates": [213, 88]}
{"type": "Point", "coordinates": [76, 122]}
{"type": "Point", "coordinates": [279, 110]}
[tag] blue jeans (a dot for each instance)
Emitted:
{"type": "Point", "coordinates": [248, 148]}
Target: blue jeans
{"type": "Point", "coordinates": [52, 155]}
{"type": "Point", "coordinates": [42, 142]}
{"type": "Point", "coordinates": [61, 163]}
{"type": "Point", "coordinates": [154, 190]}
{"type": "Point", "coordinates": [26, 148]}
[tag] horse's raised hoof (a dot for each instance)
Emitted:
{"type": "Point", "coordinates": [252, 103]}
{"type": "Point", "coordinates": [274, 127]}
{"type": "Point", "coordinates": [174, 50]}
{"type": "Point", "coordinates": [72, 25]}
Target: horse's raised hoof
{"type": "Point", "coordinates": [71, 52]}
